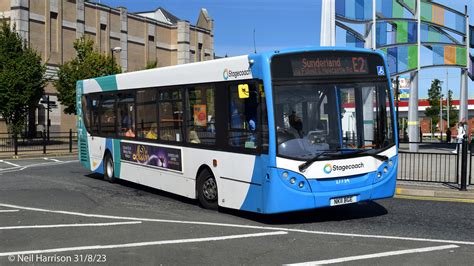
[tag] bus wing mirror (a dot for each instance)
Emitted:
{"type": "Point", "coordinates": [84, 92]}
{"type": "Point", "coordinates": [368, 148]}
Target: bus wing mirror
{"type": "Point", "coordinates": [244, 91]}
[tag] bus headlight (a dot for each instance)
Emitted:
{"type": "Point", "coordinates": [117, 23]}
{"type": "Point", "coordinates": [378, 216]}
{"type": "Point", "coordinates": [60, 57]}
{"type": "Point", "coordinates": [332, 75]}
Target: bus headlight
{"type": "Point", "coordinates": [379, 174]}
{"type": "Point", "coordinates": [284, 175]}
{"type": "Point", "coordinates": [390, 163]}
{"type": "Point", "coordinates": [385, 170]}
{"type": "Point", "coordinates": [292, 180]}
{"type": "Point", "coordinates": [301, 185]}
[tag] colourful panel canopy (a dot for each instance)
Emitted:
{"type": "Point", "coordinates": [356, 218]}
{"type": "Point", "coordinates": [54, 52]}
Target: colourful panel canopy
{"type": "Point", "coordinates": [410, 3]}
{"type": "Point", "coordinates": [461, 56]}
{"type": "Point", "coordinates": [354, 9]}
{"type": "Point", "coordinates": [438, 55]}
{"type": "Point", "coordinates": [402, 31]}
{"type": "Point", "coordinates": [426, 11]}
{"type": "Point", "coordinates": [412, 57]}
{"type": "Point", "coordinates": [397, 10]}
{"type": "Point", "coordinates": [438, 15]}
{"type": "Point", "coordinates": [450, 55]}
{"type": "Point", "coordinates": [341, 8]}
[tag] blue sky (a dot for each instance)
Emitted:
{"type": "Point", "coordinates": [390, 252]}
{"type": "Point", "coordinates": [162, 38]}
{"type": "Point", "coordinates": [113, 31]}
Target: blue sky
{"type": "Point", "coordinates": [277, 23]}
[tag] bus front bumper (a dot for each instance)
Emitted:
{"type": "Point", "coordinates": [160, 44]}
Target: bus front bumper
{"type": "Point", "coordinates": [280, 195]}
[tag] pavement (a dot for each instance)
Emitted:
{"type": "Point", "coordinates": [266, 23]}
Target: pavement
{"type": "Point", "coordinates": [405, 189]}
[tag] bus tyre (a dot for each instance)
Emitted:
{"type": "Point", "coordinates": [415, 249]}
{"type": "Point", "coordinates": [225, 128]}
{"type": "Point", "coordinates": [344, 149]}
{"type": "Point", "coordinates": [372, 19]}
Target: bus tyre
{"type": "Point", "coordinates": [207, 190]}
{"type": "Point", "coordinates": [109, 168]}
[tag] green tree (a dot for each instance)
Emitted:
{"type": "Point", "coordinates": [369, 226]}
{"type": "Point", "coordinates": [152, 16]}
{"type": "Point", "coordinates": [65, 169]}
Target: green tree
{"type": "Point", "coordinates": [88, 63]}
{"type": "Point", "coordinates": [434, 95]}
{"type": "Point", "coordinates": [453, 111]}
{"type": "Point", "coordinates": [22, 78]}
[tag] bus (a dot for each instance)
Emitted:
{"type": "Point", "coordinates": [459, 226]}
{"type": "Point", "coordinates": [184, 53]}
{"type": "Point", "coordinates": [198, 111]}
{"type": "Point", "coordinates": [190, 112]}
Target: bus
{"type": "Point", "coordinates": [269, 132]}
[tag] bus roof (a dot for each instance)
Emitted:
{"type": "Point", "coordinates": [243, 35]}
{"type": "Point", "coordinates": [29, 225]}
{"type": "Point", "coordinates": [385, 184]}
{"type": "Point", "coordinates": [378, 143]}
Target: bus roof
{"type": "Point", "coordinates": [218, 70]}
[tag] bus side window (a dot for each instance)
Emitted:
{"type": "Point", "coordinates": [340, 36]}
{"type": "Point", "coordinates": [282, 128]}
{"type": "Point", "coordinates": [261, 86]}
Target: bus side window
{"type": "Point", "coordinates": [243, 120]}
{"type": "Point", "coordinates": [201, 115]}
{"type": "Point", "coordinates": [146, 114]}
{"type": "Point", "coordinates": [107, 115]}
{"type": "Point", "coordinates": [126, 115]}
{"type": "Point", "coordinates": [86, 112]}
{"type": "Point", "coordinates": [170, 115]}
{"type": "Point", "coordinates": [94, 109]}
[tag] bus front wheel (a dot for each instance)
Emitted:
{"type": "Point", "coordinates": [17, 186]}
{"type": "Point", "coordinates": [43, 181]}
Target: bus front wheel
{"type": "Point", "coordinates": [207, 190]}
{"type": "Point", "coordinates": [109, 168]}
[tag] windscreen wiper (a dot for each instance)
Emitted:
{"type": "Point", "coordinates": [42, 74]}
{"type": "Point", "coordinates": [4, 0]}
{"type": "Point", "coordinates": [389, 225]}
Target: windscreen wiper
{"type": "Point", "coordinates": [366, 152]}
{"type": "Point", "coordinates": [309, 162]}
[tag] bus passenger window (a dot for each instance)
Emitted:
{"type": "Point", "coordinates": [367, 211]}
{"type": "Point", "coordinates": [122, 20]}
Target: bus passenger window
{"type": "Point", "coordinates": [201, 115]}
{"type": "Point", "coordinates": [107, 115]}
{"type": "Point", "coordinates": [147, 114]}
{"type": "Point", "coordinates": [85, 102]}
{"type": "Point", "coordinates": [126, 115]}
{"type": "Point", "coordinates": [94, 105]}
{"type": "Point", "coordinates": [243, 118]}
{"type": "Point", "coordinates": [170, 115]}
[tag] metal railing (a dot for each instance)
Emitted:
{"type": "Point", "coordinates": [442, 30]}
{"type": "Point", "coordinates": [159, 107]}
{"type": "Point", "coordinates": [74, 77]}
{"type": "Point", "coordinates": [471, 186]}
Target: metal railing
{"type": "Point", "coordinates": [55, 141]}
{"type": "Point", "coordinates": [447, 163]}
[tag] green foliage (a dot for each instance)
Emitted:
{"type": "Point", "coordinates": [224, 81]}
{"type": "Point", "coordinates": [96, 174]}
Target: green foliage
{"type": "Point", "coordinates": [22, 78]}
{"type": "Point", "coordinates": [434, 95]}
{"type": "Point", "coordinates": [152, 65]}
{"type": "Point", "coordinates": [89, 63]}
{"type": "Point", "coordinates": [453, 112]}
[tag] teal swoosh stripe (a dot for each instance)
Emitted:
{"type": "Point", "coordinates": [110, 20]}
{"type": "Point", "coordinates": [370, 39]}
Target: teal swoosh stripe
{"type": "Point", "coordinates": [107, 83]}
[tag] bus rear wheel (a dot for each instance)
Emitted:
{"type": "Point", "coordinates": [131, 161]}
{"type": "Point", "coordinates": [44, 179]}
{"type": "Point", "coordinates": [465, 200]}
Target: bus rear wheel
{"type": "Point", "coordinates": [207, 190]}
{"type": "Point", "coordinates": [109, 168]}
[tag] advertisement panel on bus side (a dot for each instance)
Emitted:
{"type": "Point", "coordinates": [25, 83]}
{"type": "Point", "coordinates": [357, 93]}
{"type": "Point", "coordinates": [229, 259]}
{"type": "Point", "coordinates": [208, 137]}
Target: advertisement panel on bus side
{"type": "Point", "coordinates": [160, 157]}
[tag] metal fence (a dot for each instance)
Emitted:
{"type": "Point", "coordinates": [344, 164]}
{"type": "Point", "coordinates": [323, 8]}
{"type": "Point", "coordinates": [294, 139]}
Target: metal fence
{"type": "Point", "coordinates": [43, 143]}
{"type": "Point", "coordinates": [436, 162]}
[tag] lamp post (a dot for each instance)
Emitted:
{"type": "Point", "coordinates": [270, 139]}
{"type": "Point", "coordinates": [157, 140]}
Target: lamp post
{"type": "Point", "coordinates": [117, 49]}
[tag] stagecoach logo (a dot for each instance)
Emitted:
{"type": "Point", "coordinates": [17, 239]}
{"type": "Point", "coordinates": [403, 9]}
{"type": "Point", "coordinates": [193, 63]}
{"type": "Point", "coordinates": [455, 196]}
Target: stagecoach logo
{"type": "Point", "coordinates": [328, 168]}
{"type": "Point", "coordinates": [141, 154]}
{"type": "Point", "coordinates": [226, 74]}
{"type": "Point", "coordinates": [235, 74]}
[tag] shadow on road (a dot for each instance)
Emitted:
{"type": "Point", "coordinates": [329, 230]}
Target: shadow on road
{"type": "Point", "coordinates": [339, 213]}
{"type": "Point", "coordinates": [141, 190]}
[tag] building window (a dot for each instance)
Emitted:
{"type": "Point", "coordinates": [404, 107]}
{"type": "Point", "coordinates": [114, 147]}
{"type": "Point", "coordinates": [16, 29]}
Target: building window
{"type": "Point", "coordinates": [53, 32]}
{"type": "Point", "coordinates": [200, 52]}
{"type": "Point", "coordinates": [193, 56]}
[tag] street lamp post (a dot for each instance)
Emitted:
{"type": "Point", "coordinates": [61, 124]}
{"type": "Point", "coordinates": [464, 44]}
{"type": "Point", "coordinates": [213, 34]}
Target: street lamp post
{"type": "Point", "coordinates": [117, 49]}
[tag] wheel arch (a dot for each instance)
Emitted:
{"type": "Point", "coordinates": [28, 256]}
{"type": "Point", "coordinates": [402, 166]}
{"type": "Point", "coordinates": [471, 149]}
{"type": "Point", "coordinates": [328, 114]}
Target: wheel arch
{"type": "Point", "coordinates": [200, 169]}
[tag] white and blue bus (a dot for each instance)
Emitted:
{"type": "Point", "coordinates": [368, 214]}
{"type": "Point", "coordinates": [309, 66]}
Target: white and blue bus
{"type": "Point", "coordinates": [268, 133]}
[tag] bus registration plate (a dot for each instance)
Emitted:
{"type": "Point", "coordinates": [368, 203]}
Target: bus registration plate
{"type": "Point", "coordinates": [343, 200]}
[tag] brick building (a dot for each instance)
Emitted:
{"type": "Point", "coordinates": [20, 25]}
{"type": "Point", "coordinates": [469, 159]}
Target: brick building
{"type": "Point", "coordinates": [51, 26]}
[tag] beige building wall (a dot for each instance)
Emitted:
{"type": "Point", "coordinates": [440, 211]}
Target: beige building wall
{"type": "Point", "coordinates": [52, 26]}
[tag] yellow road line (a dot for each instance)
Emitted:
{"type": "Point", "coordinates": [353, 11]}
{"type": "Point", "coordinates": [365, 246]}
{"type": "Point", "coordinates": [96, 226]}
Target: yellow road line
{"type": "Point", "coordinates": [434, 198]}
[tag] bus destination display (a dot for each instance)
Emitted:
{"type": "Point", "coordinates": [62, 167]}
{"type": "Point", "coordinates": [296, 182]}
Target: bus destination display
{"type": "Point", "coordinates": [318, 66]}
